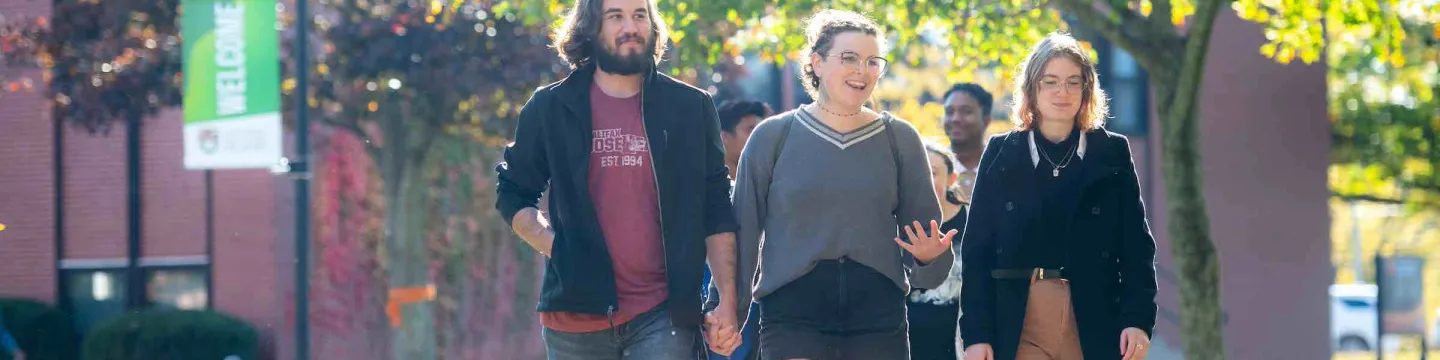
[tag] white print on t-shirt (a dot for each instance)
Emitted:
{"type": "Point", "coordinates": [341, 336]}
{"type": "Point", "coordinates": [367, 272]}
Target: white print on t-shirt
{"type": "Point", "coordinates": [629, 150]}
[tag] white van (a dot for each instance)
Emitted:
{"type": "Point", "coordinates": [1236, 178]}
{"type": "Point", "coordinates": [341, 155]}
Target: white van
{"type": "Point", "coordinates": [1353, 317]}
{"type": "Point", "coordinates": [1434, 343]}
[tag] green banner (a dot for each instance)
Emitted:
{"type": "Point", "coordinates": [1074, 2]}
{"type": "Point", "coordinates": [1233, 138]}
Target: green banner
{"type": "Point", "coordinates": [232, 84]}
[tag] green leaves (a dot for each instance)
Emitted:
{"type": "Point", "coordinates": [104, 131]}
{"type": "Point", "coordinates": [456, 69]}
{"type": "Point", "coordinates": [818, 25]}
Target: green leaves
{"type": "Point", "coordinates": [1297, 27]}
{"type": "Point", "coordinates": [501, 8]}
{"type": "Point", "coordinates": [975, 33]}
{"type": "Point", "coordinates": [1383, 62]}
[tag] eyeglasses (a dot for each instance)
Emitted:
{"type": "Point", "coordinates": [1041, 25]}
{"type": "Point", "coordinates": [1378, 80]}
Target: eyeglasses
{"type": "Point", "coordinates": [1074, 85]}
{"type": "Point", "coordinates": [851, 60]}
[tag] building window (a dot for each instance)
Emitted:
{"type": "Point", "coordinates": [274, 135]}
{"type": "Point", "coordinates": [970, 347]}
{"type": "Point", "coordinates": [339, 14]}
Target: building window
{"type": "Point", "coordinates": [96, 290]}
{"type": "Point", "coordinates": [1128, 86]}
{"type": "Point", "coordinates": [95, 295]}
{"type": "Point", "coordinates": [177, 288]}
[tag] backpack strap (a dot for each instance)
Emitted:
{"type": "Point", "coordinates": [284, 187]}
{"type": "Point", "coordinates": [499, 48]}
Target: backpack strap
{"type": "Point", "coordinates": [779, 146]}
{"type": "Point", "coordinates": [784, 134]}
{"type": "Point", "coordinates": [894, 152]}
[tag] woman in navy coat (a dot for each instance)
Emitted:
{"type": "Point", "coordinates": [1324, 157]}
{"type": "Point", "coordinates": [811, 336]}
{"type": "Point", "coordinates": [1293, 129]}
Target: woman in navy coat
{"type": "Point", "coordinates": [1058, 259]}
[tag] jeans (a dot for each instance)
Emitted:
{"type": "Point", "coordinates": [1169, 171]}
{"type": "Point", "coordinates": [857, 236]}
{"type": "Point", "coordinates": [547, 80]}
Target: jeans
{"type": "Point", "coordinates": [650, 335]}
{"type": "Point", "coordinates": [840, 310]}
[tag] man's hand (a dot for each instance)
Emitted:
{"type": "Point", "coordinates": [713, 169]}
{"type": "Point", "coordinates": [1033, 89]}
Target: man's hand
{"type": "Point", "coordinates": [19, 355]}
{"type": "Point", "coordinates": [721, 333]}
{"type": "Point", "coordinates": [1134, 344]}
{"type": "Point", "coordinates": [979, 352]}
{"type": "Point", "coordinates": [721, 330]}
{"type": "Point", "coordinates": [531, 225]}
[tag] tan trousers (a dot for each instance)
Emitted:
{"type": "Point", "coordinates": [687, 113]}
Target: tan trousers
{"type": "Point", "coordinates": [1049, 332]}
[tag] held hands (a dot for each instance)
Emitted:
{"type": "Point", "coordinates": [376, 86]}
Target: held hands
{"type": "Point", "coordinates": [721, 334]}
{"type": "Point", "coordinates": [926, 247]}
{"type": "Point", "coordinates": [1134, 344]}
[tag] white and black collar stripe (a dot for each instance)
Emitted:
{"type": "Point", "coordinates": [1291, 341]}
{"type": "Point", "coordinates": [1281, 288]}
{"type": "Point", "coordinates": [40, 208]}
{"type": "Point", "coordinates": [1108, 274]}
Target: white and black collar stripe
{"type": "Point", "coordinates": [841, 140]}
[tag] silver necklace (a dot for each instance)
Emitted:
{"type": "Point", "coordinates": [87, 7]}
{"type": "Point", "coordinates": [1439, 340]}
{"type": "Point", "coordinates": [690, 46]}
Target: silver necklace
{"type": "Point", "coordinates": [1055, 172]}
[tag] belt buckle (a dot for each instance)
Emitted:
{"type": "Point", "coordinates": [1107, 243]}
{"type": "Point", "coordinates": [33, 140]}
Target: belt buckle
{"type": "Point", "coordinates": [1039, 274]}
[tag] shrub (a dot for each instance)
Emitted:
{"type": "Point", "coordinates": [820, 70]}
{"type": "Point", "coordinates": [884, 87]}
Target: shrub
{"type": "Point", "coordinates": [42, 331]}
{"type": "Point", "coordinates": [171, 335]}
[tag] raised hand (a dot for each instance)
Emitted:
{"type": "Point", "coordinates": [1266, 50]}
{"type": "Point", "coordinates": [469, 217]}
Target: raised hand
{"type": "Point", "coordinates": [926, 246]}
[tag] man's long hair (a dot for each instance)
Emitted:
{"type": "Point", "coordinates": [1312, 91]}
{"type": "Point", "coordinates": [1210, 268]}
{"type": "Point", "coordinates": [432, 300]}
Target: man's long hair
{"type": "Point", "coordinates": [575, 39]}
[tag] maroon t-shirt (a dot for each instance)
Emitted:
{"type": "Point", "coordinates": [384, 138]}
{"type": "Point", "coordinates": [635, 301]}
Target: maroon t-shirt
{"type": "Point", "coordinates": [622, 186]}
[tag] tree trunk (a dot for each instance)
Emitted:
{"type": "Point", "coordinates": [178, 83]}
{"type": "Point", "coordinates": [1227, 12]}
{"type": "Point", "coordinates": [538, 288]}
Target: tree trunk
{"type": "Point", "coordinates": [405, 260]}
{"type": "Point", "coordinates": [1196, 261]}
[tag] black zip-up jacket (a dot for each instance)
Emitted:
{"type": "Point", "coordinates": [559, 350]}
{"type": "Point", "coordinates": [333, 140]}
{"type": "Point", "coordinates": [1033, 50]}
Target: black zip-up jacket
{"type": "Point", "coordinates": [552, 149]}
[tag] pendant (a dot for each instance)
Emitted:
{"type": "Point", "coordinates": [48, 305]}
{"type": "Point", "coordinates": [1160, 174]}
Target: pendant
{"type": "Point", "coordinates": [1055, 173]}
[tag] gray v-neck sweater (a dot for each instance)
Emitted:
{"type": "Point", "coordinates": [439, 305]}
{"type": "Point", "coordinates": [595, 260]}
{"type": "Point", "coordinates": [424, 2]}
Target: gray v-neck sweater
{"type": "Point", "coordinates": [831, 195]}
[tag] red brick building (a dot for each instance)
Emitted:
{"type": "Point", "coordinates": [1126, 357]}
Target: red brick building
{"type": "Point", "coordinates": [220, 240]}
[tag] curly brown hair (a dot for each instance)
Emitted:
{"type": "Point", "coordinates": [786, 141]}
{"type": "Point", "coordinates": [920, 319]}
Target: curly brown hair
{"type": "Point", "coordinates": [575, 39]}
{"type": "Point", "coordinates": [820, 32]}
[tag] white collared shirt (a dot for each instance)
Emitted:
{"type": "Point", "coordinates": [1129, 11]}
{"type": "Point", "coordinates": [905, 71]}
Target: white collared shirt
{"type": "Point", "coordinates": [1035, 152]}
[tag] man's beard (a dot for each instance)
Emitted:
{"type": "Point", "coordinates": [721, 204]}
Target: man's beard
{"type": "Point", "coordinates": [635, 63]}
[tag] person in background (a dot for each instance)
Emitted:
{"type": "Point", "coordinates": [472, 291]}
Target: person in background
{"type": "Point", "coordinates": [7, 342]}
{"type": "Point", "coordinates": [638, 195]}
{"type": "Point", "coordinates": [738, 118]}
{"type": "Point", "coordinates": [967, 114]}
{"type": "Point", "coordinates": [1059, 259]}
{"type": "Point", "coordinates": [821, 194]}
{"type": "Point", "coordinates": [934, 313]}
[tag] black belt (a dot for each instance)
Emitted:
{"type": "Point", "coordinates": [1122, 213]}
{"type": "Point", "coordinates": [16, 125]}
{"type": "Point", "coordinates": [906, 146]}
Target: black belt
{"type": "Point", "coordinates": [1031, 273]}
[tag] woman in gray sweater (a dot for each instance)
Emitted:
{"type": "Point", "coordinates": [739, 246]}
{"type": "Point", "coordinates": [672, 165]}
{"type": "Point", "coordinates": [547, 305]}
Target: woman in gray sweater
{"type": "Point", "coordinates": [821, 194]}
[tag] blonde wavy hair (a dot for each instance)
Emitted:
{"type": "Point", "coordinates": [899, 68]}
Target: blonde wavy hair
{"type": "Point", "coordinates": [1094, 104]}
